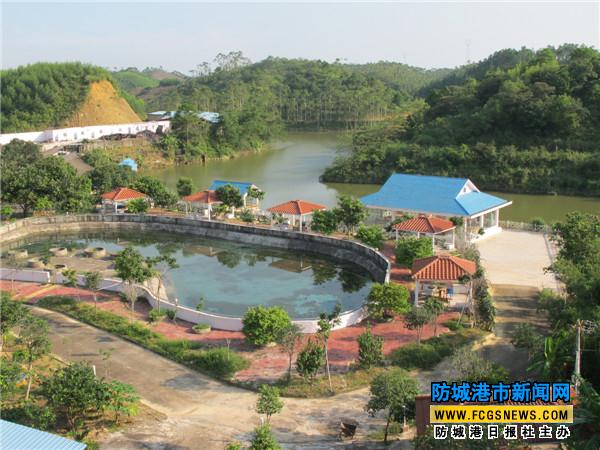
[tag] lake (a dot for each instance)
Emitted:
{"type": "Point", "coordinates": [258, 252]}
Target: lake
{"type": "Point", "coordinates": [291, 170]}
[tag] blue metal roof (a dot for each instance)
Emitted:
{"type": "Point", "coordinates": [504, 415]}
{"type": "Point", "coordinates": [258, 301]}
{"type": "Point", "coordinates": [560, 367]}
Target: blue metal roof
{"type": "Point", "coordinates": [430, 194]}
{"type": "Point", "coordinates": [19, 437]}
{"type": "Point", "coordinates": [130, 163]}
{"type": "Point", "coordinates": [243, 187]}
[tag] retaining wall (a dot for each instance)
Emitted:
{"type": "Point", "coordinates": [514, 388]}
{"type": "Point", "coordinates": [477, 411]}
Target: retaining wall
{"type": "Point", "coordinates": [369, 259]}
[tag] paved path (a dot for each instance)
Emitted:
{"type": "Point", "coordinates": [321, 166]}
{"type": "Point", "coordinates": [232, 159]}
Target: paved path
{"type": "Point", "coordinates": [517, 258]}
{"type": "Point", "coordinates": [198, 411]}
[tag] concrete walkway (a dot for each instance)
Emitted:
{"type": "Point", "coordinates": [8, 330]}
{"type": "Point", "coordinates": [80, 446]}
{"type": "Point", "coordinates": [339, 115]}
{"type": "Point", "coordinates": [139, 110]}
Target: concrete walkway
{"type": "Point", "coordinates": [518, 258]}
{"type": "Point", "coordinates": [197, 412]}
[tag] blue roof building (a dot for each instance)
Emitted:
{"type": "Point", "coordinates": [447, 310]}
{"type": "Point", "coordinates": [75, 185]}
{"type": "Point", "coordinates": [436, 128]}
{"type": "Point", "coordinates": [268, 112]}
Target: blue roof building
{"type": "Point", "coordinates": [129, 163]}
{"type": "Point", "coordinates": [441, 196]}
{"type": "Point", "coordinates": [19, 437]}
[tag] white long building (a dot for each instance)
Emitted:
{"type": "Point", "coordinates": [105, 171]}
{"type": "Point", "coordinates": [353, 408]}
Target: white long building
{"type": "Point", "coordinates": [78, 134]}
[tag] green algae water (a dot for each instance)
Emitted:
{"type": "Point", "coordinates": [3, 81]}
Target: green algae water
{"type": "Point", "coordinates": [291, 170]}
{"type": "Point", "coordinates": [231, 276]}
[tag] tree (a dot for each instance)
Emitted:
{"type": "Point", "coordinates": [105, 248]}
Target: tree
{"type": "Point", "coordinates": [268, 402]}
{"type": "Point", "coordinates": [74, 391]}
{"type": "Point", "coordinates": [122, 399]}
{"type": "Point", "coordinates": [435, 306]}
{"type": "Point", "coordinates": [138, 206]}
{"type": "Point", "coordinates": [156, 190]}
{"type": "Point", "coordinates": [256, 194]}
{"type": "Point", "coordinates": [310, 359]}
{"type": "Point", "coordinates": [325, 222]}
{"type": "Point", "coordinates": [467, 365]}
{"type": "Point", "coordinates": [230, 196]}
{"type": "Point", "coordinates": [10, 375]}
{"type": "Point", "coordinates": [33, 337]}
{"type": "Point", "coordinates": [263, 325]}
{"type": "Point", "coordinates": [394, 391]}
{"type": "Point", "coordinates": [416, 319]}
{"type": "Point", "coordinates": [132, 267]}
{"type": "Point", "coordinates": [288, 338]}
{"type": "Point", "coordinates": [11, 315]}
{"type": "Point", "coordinates": [370, 350]}
{"type": "Point", "coordinates": [350, 212]}
{"type": "Point", "coordinates": [70, 277]}
{"type": "Point", "coordinates": [92, 282]}
{"type": "Point", "coordinates": [326, 324]}
{"type": "Point", "coordinates": [385, 300]}
{"type": "Point", "coordinates": [371, 236]}
{"type": "Point", "coordinates": [410, 248]}
{"type": "Point", "coordinates": [185, 186]}
{"type": "Point", "coordinates": [165, 263]}
{"type": "Point", "coordinates": [264, 439]}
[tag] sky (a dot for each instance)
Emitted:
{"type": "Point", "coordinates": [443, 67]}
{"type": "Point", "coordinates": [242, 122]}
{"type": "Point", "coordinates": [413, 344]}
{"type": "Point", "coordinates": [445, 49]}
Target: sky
{"type": "Point", "coordinates": [179, 36]}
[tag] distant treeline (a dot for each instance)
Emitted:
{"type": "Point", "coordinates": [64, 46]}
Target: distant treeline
{"type": "Point", "coordinates": [522, 121]}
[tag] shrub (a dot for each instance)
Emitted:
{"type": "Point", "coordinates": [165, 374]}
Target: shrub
{"type": "Point", "coordinates": [201, 328]}
{"type": "Point", "coordinates": [30, 414]}
{"type": "Point", "coordinates": [247, 216]}
{"type": "Point", "coordinates": [466, 365]}
{"type": "Point", "coordinates": [454, 325]}
{"type": "Point", "coordinates": [486, 313]}
{"type": "Point", "coordinates": [264, 439]}
{"type": "Point", "coordinates": [263, 325]}
{"type": "Point", "coordinates": [388, 299]}
{"type": "Point", "coordinates": [370, 350]}
{"type": "Point", "coordinates": [325, 222]}
{"type": "Point", "coordinates": [309, 361]}
{"type": "Point", "coordinates": [410, 248]}
{"type": "Point", "coordinates": [268, 402]}
{"type": "Point", "coordinates": [171, 314]}
{"type": "Point", "coordinates": [371, 236]}
{"type": "Point", "coordinates": [527, 337]}
{"type": "Point", "coordinates": [138, 206]}
{"type": "Point", "coordinates": [221, 362]}
{"type": "Point", "coordinates": [416, 356]}
{"type": "Point", "coordinates": [156, 316]}
{"type": "Point", "coordinates": [538, 223]}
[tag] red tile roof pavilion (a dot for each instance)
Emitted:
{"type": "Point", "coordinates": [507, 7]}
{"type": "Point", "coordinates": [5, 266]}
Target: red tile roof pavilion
{"type": "Point", "coordinates": [442, 268]}
{"type": "Point", "coordinates": [425, 224]}
{"type": "Point", "coordinates": [296, 207]}
{"type": "Point", "coordinates": [122, 194]}
{"type": "Point", "coordinates": [207, 196]}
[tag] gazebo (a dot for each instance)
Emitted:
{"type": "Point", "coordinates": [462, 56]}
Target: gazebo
{"type": "Point", "coordinates": [299, 210]}
{"type": "Point", "coordinates": [428, 226]}
{"type": "Point", "coordinates": [447, 270]}
{"type": "Point", "coordinates": [202, 201]}
{"type": "Point", "coordinates": [120, 197]}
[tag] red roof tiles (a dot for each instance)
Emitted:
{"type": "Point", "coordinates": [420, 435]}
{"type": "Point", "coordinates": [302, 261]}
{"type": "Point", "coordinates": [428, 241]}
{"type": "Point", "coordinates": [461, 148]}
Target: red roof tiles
{"type": "Point", "coordinates": [123, 193]}
{"type": "Point", "coordinates": [296, 207]}
{"type": "Point", "coordinates": [443, 268]}
{"type": "Point", "coordinates": [425, 224]}
{"type": "Point", "coordinates": [206, 196]}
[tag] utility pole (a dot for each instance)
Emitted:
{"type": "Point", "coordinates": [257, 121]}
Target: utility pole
{"type": "Point", "coordinates": [577, 370]}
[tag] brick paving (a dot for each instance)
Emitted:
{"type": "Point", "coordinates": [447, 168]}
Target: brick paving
{"type": "Point", "coordinates": [267, 364]}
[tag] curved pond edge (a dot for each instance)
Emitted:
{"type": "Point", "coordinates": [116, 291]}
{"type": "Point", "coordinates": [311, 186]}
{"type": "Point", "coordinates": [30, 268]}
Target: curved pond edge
{"type": "Point", "coordinates": [344, 250]}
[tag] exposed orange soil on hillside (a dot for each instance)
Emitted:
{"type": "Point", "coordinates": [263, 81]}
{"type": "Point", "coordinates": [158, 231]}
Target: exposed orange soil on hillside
{"type": "Point", "coordinates": [103, 106]}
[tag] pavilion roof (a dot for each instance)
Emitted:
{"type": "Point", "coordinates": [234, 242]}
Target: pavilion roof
{"type": "Point", "coordinates": [123, 193]}
{"type": "Point", "coordinates": [425, 224]}
{"type": "Point", "coordinates": [207, 196]}
{"type": "Point", "coordinates": [296, 207]}
{"type": "Point", "coordinates": [443, 268]}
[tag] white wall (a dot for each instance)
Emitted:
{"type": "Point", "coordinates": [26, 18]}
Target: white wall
{"type": "Point", "coordinates": [77, 134]}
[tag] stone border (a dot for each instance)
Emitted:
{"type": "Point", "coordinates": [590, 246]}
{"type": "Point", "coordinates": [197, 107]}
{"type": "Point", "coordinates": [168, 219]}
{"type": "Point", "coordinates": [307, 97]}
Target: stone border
{"type": "Point", "coordinates": [369, 259]}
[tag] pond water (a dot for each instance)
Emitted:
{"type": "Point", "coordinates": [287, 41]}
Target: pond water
{"type": "Point", "coordinates": [232, 276]}
{"type": "Point", "coordinates": [291, 170]}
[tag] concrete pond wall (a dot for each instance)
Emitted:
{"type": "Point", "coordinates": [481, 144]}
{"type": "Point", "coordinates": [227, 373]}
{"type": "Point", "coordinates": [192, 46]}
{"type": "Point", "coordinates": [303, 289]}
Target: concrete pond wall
{"type": "Point", "coordinates": [367, 258]}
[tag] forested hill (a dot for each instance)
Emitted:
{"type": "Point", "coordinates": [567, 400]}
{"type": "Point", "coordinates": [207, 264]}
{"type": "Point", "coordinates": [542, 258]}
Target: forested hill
{"type": "Point", "coordinates": [298, 92]}
{"type": "Point", "coordinates": [532, 126]}
{"type": "Point", "coordinates": [48, 95]}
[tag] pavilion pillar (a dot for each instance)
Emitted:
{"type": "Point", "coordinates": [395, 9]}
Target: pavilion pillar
{"type": "Point", "coordinates": [433, 242]}
{"type": "Point", "coordinates": [416, 296]}
{"type": "Point", "coordinates": [300, 226]}
{"type": "Point", "coordinates": [396, 234]}
{"type": "Point", "coordinates": [497, 214]}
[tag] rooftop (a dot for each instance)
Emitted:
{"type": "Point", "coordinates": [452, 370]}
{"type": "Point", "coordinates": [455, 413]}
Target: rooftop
{"type": "Point", "coordinates": [296, 207]}
{"type": "Point", "coordinates": [15, 436]}
{"type": "Point", "coordinates": [207, 196]}
{"type": "Point", "coordinates": [443, 268]}
{"type": "Point", "coordinates": [425, 224]}
{"type": "Point", "coordinates": [123, 193]}
{"type": "Point", "coordinates": [433, 195]}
